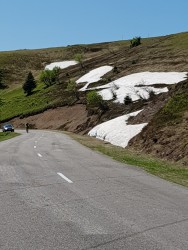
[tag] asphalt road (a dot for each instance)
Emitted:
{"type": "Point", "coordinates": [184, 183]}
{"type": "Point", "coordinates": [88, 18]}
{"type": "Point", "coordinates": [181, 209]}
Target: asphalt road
{"type": "Point", "coordinates": [57, 194]}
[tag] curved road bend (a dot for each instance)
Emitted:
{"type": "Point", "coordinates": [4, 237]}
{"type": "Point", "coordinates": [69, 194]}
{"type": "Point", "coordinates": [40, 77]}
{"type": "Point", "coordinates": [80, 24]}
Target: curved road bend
{"type": "Point", "coordinates": [55, 194]}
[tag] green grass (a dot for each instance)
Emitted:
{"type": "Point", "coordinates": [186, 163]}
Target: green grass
{"type": "Point", "coordinates": [173, 111]}
{"type": "Point", "coordinates": [16, 103]}
{"type": "Point", "coordinates": [178, 41]}
{"type": "Point", "coordinates": [163, 169]}
{"type": "Point", "coordinates": [7, 135]}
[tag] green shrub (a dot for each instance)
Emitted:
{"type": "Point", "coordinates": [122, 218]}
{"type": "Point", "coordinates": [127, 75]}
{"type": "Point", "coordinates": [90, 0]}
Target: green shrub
{"type": "Point", "coordinates": [50, 77]}
{"type": "Point", "coordinates": [72, 88]}
{"type": "Point", "coordinates": [79, 58]}
{"type": "Point", "coordinates": [135, 42]}
{"type": "Point", "coordinates": [95, 100]}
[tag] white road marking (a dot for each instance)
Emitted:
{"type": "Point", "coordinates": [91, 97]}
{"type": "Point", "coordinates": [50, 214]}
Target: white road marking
{"type": "Point", "coordinates": [39, 155]}
{"type": "Point", "coordinates": [35, 146]}
{"type": "Point", "coordinates": [65, 178]}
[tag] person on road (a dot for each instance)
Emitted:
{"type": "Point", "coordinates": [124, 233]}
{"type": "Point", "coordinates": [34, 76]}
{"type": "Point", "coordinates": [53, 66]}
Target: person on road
{"type": "Point", "coordinates": [27, 127]}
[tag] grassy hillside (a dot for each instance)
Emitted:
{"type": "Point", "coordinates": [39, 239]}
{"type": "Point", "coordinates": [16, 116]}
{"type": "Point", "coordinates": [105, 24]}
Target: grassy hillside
{"type": "Point", "coordinates": [160, 53]}
{"type": "Point", "coordinates": [167, 53]}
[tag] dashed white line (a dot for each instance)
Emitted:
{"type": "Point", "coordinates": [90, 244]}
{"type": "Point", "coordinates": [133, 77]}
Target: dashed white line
{"type": "Point", "coordinates": [39, 155]}
{"type": "Point", "coordinates": [65, 178]}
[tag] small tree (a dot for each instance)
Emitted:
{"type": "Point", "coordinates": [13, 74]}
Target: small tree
{"type": "Point", "coordinates": [29, 84]}
{"type": "Point", "coordinates": [79, 59]}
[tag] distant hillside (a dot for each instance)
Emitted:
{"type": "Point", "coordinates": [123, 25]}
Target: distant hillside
{"type": "Point", "coordinates": [56, 107]}
{"type": "Point", "coordinates": [168, 53]}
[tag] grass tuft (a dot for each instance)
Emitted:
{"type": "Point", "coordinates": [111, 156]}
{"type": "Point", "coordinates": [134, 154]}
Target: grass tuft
{"type": "Point", "coordinates": [7, 135]}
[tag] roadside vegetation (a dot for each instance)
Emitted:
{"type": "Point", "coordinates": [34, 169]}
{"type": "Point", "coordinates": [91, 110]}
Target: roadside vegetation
{"type": "Point", "coordinates": [164, 169]}
{"type": "Point", "coordinates": [7, 135]}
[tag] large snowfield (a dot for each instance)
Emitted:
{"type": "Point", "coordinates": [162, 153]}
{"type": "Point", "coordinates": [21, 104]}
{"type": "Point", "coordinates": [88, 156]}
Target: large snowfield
{"type": "Point", "coordinates": [136, 86]}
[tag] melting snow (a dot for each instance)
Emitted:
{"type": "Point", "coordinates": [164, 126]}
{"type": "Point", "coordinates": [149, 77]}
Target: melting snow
{"type": "Point", "coordinates": [136, 85]}
{"type": "Point", "coordinates": [62, 65]}
{"type": "Point", "coordinates": [94, 76]}
{"type": "Point", "coordinates": [117, 131]}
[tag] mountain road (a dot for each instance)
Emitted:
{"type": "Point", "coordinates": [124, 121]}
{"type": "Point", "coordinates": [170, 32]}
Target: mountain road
{"type": "Point", "coordinates": [57, 194]}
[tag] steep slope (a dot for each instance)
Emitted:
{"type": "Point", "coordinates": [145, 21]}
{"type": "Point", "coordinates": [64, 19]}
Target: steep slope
{"type": "Point", "coordinates": [160, 54]}
{"type": "Point", "coordinates": [167, 133]}
{"type": "Point", "coordinates": [168, 53]}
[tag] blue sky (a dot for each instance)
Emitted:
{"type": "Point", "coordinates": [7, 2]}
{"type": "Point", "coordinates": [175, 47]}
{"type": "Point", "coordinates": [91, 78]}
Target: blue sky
{"type": "Point", "coordinates": [28, 24]}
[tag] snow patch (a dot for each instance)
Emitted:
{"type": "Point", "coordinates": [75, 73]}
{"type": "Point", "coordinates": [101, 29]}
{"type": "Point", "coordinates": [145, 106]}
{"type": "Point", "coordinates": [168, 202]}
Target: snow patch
{"type": "Point", "coordinates": [61, 65]}
{"type": "Point", "coordinates": [117, 131]}
{"type": "Point", "coordinates": [136, 85]}
{"type": "Point", "coordinates": [93, 76]}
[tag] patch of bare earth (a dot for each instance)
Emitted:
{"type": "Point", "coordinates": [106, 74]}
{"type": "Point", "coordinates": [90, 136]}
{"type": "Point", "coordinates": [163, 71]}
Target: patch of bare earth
{"type": "Point", "coordinates": [71, 118]}
{"type": "Point", "coordinates": [169, 142]}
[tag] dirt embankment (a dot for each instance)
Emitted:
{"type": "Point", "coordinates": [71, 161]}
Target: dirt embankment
{"type": "Point", "coordinates": [73, 118]}
{"type": "Point", "coordinates": [166, 135]}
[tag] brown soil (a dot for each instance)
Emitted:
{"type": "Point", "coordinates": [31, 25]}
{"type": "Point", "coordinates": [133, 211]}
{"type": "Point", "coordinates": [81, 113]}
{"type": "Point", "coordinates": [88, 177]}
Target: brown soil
{"type": "Point", "coordinates": [164, 137]}
{"type": "Point", "coordinates": [73, 118]}
{"type": "Point", "coordinates": [169, 142]}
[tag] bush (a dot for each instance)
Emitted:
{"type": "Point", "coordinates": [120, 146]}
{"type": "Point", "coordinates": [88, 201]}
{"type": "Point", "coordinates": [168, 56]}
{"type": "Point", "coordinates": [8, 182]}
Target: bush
{"type": "Point", "coordinates": [127, 100]}
{"type": "Point", "coordinates": [95, 100]}
{"type": "Point", "coordinates": [72, 88]}
{"type": "Point", "coordinates": [79, 58]}
{"type": "Point", "coordinates": [50, 77]}
{"type": "Point", "coordinates": [115, 70]}
{"type": "Point", "coordinates": [135, 42]}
